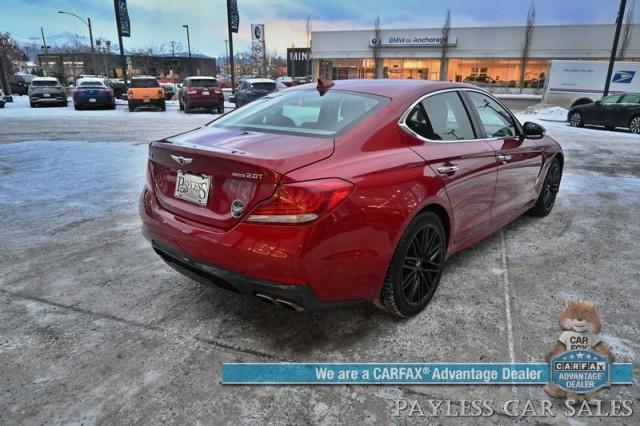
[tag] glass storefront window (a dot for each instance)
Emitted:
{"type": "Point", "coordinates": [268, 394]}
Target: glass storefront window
{"type": "Point", "coordinates": [412, 68]}
{"type": "Point", "coordinates": [495, 73]}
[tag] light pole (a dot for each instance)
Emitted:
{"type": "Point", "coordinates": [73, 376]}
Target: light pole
{"type": "Point", "coordinates": [88, 24]}
{"type": "Point", "coordinates": [614, 49]}
{"type": "Point", "coordinates": [188, 40]}
{"type": "Point", "coordinates": [226, 59]}
{"type": "Point", "coordinates": [173, 48]}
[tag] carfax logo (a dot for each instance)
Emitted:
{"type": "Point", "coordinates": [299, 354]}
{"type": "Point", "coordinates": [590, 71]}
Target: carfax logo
{"type": "Point", "coordinates": [623, 76]}
{"type": "Point", "coordinates": [579, 362]}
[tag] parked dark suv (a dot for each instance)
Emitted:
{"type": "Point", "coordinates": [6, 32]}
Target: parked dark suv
{"type": "Point", "coordinates": [201, 92]}
{"type": "Point", "coordinates": [20, 83]}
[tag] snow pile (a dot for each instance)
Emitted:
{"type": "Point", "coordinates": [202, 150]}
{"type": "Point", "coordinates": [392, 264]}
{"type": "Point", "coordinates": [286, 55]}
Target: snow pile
{"type": "Point", "coordinates": [546, 112]}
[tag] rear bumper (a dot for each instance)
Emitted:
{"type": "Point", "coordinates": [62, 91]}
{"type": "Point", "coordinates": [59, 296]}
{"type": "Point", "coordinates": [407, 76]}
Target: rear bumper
{"type": "Point", "coordinates": [205, 102]}
{"type": "Point", "coordinates": [294, 297]}
{"type": "Point", "coordinates": [36, 99]}
{"type": "Point", "coordinates": [274, 261]}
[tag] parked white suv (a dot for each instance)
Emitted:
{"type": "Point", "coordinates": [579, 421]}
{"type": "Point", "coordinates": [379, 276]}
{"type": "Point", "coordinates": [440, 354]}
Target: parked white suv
{"type": "Point", "coordinates": [47, 90]}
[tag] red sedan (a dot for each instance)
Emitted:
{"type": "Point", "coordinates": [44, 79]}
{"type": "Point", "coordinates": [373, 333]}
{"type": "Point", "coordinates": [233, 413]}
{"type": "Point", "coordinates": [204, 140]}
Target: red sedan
{"type": "Point", "coordinates": [359, 190]}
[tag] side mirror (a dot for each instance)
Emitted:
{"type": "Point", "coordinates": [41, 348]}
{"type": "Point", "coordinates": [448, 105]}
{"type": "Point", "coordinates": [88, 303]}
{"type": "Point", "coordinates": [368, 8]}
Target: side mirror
{"type": "Point", "coordinates": [597, 102]}
{"type": "Point", "coordinates": [533, 130]}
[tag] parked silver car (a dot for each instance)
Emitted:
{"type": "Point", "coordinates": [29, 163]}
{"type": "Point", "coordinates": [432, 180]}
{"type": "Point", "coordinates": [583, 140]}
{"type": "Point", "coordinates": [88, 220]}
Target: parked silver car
{"type": "Point", "coordinates": [47, 90]}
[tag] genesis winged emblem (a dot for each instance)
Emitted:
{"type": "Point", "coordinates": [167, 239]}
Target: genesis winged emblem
{"type": "Point", "coordinates": [181, 160]}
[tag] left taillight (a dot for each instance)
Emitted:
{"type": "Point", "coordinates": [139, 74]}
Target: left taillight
{"type": "Point", "coordinates": [302, 202]}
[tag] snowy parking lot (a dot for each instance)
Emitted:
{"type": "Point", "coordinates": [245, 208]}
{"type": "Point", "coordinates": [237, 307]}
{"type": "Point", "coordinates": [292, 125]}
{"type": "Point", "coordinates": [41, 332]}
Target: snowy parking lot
{"type": "Point", "coordinates": [94, 327]}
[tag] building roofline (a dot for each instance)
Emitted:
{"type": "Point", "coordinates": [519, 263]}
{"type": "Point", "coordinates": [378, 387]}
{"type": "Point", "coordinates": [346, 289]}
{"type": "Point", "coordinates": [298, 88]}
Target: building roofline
{"type": "Point", "coordinates": [472, 28]}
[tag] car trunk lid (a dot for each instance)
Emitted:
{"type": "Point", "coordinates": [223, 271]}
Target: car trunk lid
{"type": "Point", "coordinates": [244, 167]}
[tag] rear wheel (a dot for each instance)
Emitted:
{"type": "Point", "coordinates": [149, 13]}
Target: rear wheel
{"type": "Point", "coordinates": [76, 107]}
{"type": "Point", "coordinates": [634, 124]}
{"type": "Point", "coordinates": [221, 110]}
{"type": "Point", "coordinates": [33, 104]}
{"type": "Point", "coordinates": [163, 106]}
{"type": "Point", "coordinates": [132, 107]}
{"type": "Point", "coordinates": [550, 188]}
{"type": "Point", "coordinates": [181, 105]}
{"type": "Point", "coordinates": [575, 119]}
{"type": "Point", "coordinates": [416, 267]}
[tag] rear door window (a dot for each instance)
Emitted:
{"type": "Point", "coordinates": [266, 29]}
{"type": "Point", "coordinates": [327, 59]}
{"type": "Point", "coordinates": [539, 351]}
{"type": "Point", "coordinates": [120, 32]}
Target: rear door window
{"type": "Point", "coordinates": [630, 98]}
{"type": "Point", "coordinates": [442, 117]}
{"type": "Point", "coordinates": [495, 119]}
{"type": "Point", "coordinates": [612, 99]}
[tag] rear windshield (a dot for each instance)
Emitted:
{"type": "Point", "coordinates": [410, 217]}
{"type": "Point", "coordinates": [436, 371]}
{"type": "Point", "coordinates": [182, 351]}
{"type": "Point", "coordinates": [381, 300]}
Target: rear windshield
{"type": "Point", "coordinates": [144, 82]}
{"type": "Point", "coordinates": [44, 83]}
{"type": "Point", "coordinates": [92, 83]}
{"type": "Point", "coordinates": [303, 112]}
{"type": "Point", "coordinates": [264, 86]}
{"type": "Point", "coordinates": [204, 82]}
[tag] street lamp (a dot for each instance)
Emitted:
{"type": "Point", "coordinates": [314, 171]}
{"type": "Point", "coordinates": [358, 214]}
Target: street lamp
{"type": "Point", "coordinates": [88, 24]}
{"type": "Point", "coordinates": [188, 39]}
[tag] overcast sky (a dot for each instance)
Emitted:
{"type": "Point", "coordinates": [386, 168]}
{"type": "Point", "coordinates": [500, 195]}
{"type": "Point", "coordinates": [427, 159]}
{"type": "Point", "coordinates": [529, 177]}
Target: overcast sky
{"type": "Point", "coordinates": [156, 22]}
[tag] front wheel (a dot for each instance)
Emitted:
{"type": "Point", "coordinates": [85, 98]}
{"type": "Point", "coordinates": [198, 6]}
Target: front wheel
{"type": "Point", "coordinates": [416, 267]}
{"type": "Point", "coordinates": [575, 119]}
{"type": "Point", "coordinates": [634, 124]}
{"type": "Point", "coordinates": [550, 188]}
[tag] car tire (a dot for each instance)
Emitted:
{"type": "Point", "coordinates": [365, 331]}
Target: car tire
{"type": "Point", "coordinates": [221, 110]}
{"type": "Point", "coordinates": [575, 119]}
{"type": "Point", "coordinates": [163, 106]}
{"type": "Point", "coordinates": [634, 124]}
{"type": "Point", "coordinates": [550, 187]}
{"type": "Point", "coordinates": [180, 105]}
{"type": "Point", "coordinates": [416, 267]}
{"type": "Point", "coordinates": [132, 106]}
{"type": "Point", "coordinates": [112, 106]}
{"type": "Point", "coordinates": [76, 107]}
{"type": "Point", "coordinates": [187, 109]}
{"type": "Point", "coordinates": [33, 104]}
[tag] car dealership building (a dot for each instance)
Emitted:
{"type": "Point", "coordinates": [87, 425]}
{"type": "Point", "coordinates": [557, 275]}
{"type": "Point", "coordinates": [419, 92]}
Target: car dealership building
{"type": "Point", "coordinates": [492, 55]}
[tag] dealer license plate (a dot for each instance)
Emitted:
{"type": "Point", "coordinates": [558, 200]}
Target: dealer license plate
{"type": "Point", "coordinates": [205, 93]}
{"type": "Point", "coordinates": [92, 100]}
{"type": "Point", "coordinates": [46, 95]}
{"type": "Point", "coordinates": [192, 188]}
{"type": "Point", "coordinates": [146, 100]}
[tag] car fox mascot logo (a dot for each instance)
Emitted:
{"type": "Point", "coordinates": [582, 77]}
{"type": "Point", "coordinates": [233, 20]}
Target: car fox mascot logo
{"type": "Point", "coordinates": [580, 323]}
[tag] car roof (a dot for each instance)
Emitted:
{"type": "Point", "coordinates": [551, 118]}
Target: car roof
{"type": "Point", "coordinates": [392, 88]}
{"type": "Point", "coordinates": [45, 79]}
{"type": "Point", "coordinates": [201, 77]}
{"type": "Point", "coordinates": [145, 77]}
{"type": "Point", "coordinates": [259, 80]}
{"type": "Point", "coordinates": [92, 79]}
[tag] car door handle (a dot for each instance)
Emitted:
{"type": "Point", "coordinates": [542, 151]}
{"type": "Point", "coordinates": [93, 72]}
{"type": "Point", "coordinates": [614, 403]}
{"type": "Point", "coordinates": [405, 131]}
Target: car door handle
{"type": "Point", "coordinates": [504, 157]}
{"type": "Point", "coordinates": [443, 170]}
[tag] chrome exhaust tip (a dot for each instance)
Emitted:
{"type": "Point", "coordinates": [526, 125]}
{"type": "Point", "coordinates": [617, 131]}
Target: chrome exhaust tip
{"type": "Point", "coordinates": [289, 305]}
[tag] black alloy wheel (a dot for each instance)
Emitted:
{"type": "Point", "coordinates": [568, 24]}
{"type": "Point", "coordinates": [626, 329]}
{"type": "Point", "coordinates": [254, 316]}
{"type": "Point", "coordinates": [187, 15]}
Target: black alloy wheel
{"type": "Point", "coordinates": [550, 188]}
{"type": "Point", "coordinates": [416, 267]}
{"type": "Point", "coordinates": [634, 124]}
{"type": "Point", "coordinates": [575, 119]}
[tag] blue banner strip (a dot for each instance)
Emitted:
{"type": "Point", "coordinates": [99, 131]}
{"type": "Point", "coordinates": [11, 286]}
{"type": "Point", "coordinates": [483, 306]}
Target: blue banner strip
{"type": "Point", "coordinates": [381, 373]}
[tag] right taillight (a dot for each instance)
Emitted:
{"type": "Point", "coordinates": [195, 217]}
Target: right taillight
{"type": "Point", "coordinates": [302, 202]}
{"type": "Point", "coordinates": [130, 93]}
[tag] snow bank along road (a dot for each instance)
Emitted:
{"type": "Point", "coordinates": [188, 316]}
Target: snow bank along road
{"type": "Point", "coordinates": [95, 328]}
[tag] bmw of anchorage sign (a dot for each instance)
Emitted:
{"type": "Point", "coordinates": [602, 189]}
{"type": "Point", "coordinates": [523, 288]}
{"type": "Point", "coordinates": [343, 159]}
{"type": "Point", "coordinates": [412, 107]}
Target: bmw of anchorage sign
{"type": "Point", "coordinates": [399, 40]}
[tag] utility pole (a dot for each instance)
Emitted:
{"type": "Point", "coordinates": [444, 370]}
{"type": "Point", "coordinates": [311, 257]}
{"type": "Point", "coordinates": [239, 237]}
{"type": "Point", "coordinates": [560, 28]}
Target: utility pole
{"type": "Point", "coordinates": [3, 77]}
{"type": "Point", "coordinates": [123, 61]}
{"type": "Point", "coordinates": [188, 40]}
{"type": "Point", "coordinates": [614, 49]}
{"type": "Point", "coordinates": [45, 69]}
{"type": "Point", "coordinates": [173, 48]}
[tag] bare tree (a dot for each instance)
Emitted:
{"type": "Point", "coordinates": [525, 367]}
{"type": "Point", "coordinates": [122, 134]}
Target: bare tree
{"type": "Point", "coordinates": [375, 47]}
{"type": "Point", "coordinates": [445, 44]}
{"type": "Point", "coordinates": [531, 18]}
{"type": "Point", "coordinates": [628, 27]}
{"type": "Point", "coordinates": [308, 64]}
